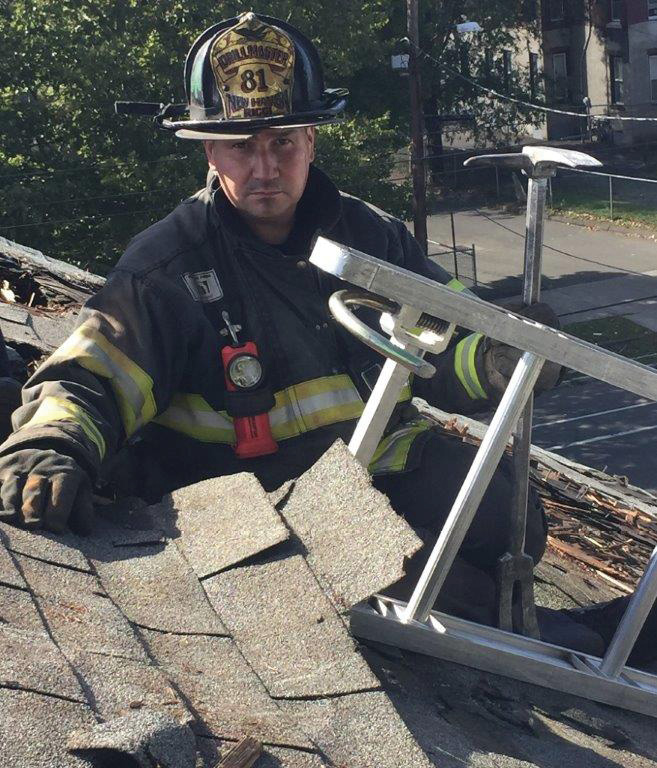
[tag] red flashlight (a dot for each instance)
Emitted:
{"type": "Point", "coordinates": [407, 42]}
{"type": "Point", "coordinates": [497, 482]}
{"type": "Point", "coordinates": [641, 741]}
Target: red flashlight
{"type": "Point", "coordinates": [243, 371]}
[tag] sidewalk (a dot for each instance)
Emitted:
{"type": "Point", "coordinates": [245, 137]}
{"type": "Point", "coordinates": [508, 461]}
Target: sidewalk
{"type": "Point", "coordinates": [572, 254]}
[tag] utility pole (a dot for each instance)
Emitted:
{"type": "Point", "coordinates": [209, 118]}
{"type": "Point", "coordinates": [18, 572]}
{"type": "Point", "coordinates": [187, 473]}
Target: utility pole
{"type": "Point", "coordinates": [417, 137]}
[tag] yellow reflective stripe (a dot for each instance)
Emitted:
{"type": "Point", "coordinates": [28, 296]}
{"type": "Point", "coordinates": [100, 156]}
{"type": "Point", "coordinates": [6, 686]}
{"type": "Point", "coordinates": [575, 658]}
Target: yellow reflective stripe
{"type": "Point", "coordinates": [391, 454]}
{"type": "Point", "coordinates": [193, 416]}
{"type": "Point", "coordinates": [59, 409]}
{"type": "Point", "coordinates": [297, 409]}
{"type": "Point", "coordinates": [465, 367]}
{"type": "Point", "coordinates": [132, 386]}
{"type": "Point", "coordinates": [458, 287]}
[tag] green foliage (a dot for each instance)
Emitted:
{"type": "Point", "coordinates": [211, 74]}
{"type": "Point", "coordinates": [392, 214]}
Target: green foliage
{"type": "Point", "coordinates": [78, 182]}
{"type": "Point", "coordinates": [360, 156]}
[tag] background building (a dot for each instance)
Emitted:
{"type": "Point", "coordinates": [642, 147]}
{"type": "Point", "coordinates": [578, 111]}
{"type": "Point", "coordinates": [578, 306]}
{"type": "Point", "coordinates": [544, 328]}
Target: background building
{"type": "Point", "coordinates": [605, 50]}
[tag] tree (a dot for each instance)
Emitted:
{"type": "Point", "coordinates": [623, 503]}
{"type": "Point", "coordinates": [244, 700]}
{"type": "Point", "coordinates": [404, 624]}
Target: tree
{"type": "Point", "coordinates": [77, 181]}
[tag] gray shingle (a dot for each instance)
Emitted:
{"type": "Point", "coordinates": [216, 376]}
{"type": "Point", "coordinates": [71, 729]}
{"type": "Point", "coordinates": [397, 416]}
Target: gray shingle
{"type": "Point", "coordinates": [288, 630]}
{"type": "Point", "coordinates": [33, 730]}
{"type": "Point", "coordinates": [155, 588]}
{"type": "Point", "coordinates": [361, 730]}
{"type": "Point", "coordinates": [212, 751]}
{"type": "Point", "coordinates": [144, 739]}
{"type": "Point", "coordinates": [92, 622]}
{"type": "Point", "coordinates": [121, 685]}
{"type": "Point", "coordinates": [60, 549]}
{"type": "Point", "coordinates": [17, 609]}
{"type": "Point", "coordinates": [31, 661]}
{"type": "Point", "coordinates": [356, 542]}
{"type": "Point", "coordinates": [225, 520]}
{"type": "Point", "coordinates": [228, 697]}
{"type": "Point", "coordinates": [9, 574]}
{"type": "Point", "coordinates": [53, 580]}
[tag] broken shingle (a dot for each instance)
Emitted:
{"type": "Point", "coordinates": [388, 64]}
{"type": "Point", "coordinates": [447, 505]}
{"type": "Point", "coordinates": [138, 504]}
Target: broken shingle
{"type": "Point", "coordinates": [60, 549]}
{"type": "Point", "coordinates": [144, 739]}
{"type": "Point", "coordinates": [356, 543]}
{"type": "Point", "coordinates": [225, 520]}
{"type": "Point", "coordinates": [361, 730]}
{"type": "Point", "coordinates": [288, 630]}
{"type": "Point", "coordinates": [120, 685]}
{"type": "Point", "coordinates": [155, 588]}
{"type": "Point", "coordinates": [17, 609]}
{"type": "Point", "coordinates": [9, 574]}
{"type": "Point", "coordinates": [228, 697]}
{"type": "Point", "coordinates": [212, 751]}
{"type": "Point", "coordinates": [31, 661]}
{"type": "Point", "coordinates": [33, 730]}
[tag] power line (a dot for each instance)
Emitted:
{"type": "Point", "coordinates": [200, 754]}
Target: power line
{"type": "Point", "coordinates": [610, 175]}
{"type": "Point", "coordinates": [78, 219]}
{"type": "Point", "coordinates": [529, 104]}
{"type": "Point", "coordinates": [118, 196]}
{"type": "Point", "coordinates": [84, 168]}
{"type": "Point", "coordinates": [558, 250]}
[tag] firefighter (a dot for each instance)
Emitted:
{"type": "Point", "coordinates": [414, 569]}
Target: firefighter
{"type": "Point", "coordinates": [214, 316]}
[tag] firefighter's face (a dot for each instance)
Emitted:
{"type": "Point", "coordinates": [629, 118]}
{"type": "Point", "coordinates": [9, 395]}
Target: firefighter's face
{"type": "Point", "coordinates": [265, 175]}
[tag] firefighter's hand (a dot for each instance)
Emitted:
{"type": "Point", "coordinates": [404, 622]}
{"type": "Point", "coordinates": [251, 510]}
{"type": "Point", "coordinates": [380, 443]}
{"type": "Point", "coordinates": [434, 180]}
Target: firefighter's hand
{"type": "Point", "coordinates": [499, 360]}
{"type": "Point", "coordinates": [45, 489]}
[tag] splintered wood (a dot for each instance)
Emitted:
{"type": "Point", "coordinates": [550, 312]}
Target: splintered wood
{"type": "Point", "coordinates": [595, 530]}
{"type": "Point", "coordinates": [601, 522]}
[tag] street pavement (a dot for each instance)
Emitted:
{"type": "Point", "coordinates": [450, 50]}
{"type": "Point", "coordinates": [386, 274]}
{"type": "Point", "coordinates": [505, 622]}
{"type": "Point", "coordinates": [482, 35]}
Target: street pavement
{"type": "Point", "coordinates": [571, 254]}
{"type": "Point", "coordinates": [588, 275]}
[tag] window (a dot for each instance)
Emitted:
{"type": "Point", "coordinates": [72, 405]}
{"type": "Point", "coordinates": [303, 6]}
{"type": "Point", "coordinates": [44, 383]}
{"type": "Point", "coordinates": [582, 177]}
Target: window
{"type": "Point", "coordinates": [560, 76]}
{"type": "Point", "coordinates": [533, 74]}
{"type": "Point", "coordinates": [506, 68]}
{"type": "Point", "coordinates": [555, 9]}
{"type": "Point", "coordinates": [653, 77]}
{"type": "Point", "coordinates": [529, 10]}
{"type": "Point", "coordinates": [652, 9]}
{"type": "Point", "coordinates": [616, 10]}
{"type": "Point", "coordinates": [616, 79]}
{"type": "Point", "coordinates": [488, 64]}
{"type": "Point", "coordinates": [464, 59]}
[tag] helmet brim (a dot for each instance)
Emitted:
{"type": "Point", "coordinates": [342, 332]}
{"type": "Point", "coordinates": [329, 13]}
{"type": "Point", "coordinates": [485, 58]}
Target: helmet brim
{"type": "Point", "coordinates": [243, 128]}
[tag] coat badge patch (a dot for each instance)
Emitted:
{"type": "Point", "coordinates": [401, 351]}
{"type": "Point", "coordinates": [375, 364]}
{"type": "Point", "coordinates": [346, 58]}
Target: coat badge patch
{"type": "Point", "coordinates": [204, 286]}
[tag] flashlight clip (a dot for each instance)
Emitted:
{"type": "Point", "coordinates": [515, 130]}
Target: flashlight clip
{"type": "Point", "coordinates": [231, 329]}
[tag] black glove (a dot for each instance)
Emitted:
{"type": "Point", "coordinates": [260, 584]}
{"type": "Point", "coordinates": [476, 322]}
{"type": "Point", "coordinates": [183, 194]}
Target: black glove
{"type": "Point", "coordinates": [45, 489]}
{"type": "Point", "coordinates": [10, 399]}
{"type": "Point", "coordinates": [498, 360]}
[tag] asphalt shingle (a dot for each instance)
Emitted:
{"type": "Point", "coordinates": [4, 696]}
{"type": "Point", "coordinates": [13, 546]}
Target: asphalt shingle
{"type": "Point", "coordinates": [53, 580]}
{"type": "Point", "coordinates": [356, 543]}
{"type": "Point", "coordinates": [229, 699]}
{"type": "Point", "coordinates": [120, 685]}
{"type": "Point", "coordinates": [144, 739]}
{"type": "Point", "coordinates": [92, 622]}
{"type": "Point", "coordinates": [9, 574]}
{"type": "Point", "coordinates": [31, 661]}
{"type": "Point", "coordinates": [225, 520]}
{"type": "Point", "coordinates": [60, 549]}
{"type": "Point", "coordinates": [361, 730]}
{"type": "Point", "coordinates": [33, 730]}
{"type": "Point", "coordinates": [155, 588]}
{"type": "Point", "coordinates": [17, 609]}
{"type": "Point", "coordinates": [288, 630]}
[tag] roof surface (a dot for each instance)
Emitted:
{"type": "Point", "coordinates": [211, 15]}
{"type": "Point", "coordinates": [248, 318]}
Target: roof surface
{"type": "Point", "coordinates": [224, 613]}
{"type": "Point", "coordinates": [226, 609]}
